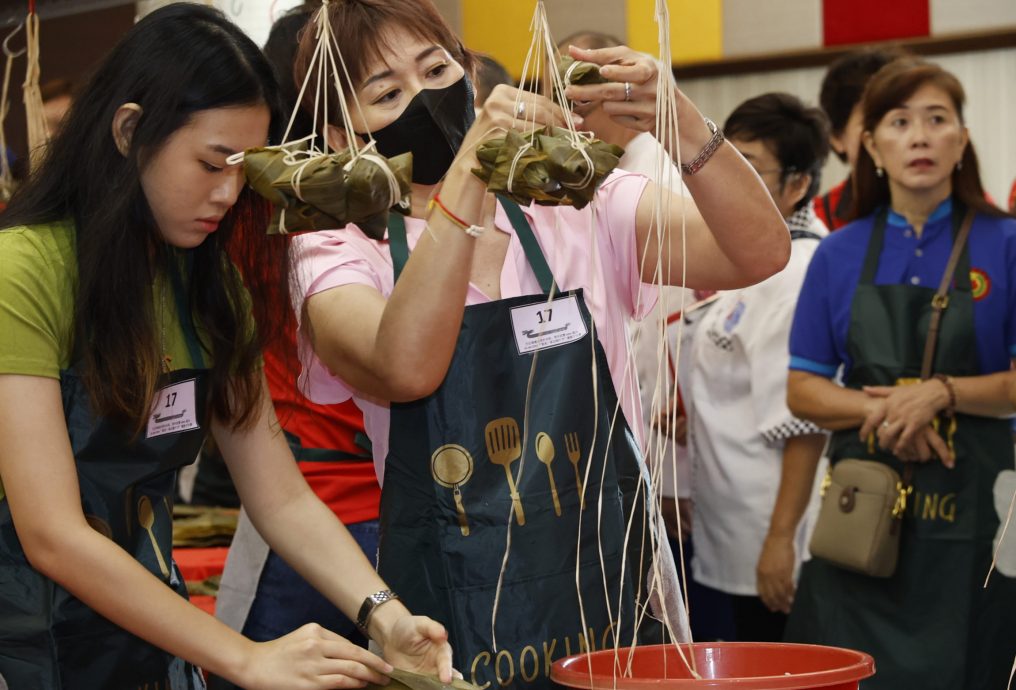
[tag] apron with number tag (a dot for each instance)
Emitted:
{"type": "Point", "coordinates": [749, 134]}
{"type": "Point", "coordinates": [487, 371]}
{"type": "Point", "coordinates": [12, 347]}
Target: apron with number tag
{"type": "Point", "coordinates": [480, 468]}
{"type": "Point", "coordinates": [931, 625]}
{"type": "Point", "coordinates": [51, 640]}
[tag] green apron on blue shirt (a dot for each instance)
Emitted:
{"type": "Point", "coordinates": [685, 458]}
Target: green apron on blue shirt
{"type": "Point", "coordinates": [930, 626]}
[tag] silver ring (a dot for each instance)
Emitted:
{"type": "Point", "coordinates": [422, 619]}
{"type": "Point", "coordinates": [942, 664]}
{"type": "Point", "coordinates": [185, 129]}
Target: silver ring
{"type": "Point", "coordinates": [521, 110]}
{"type": "Point", "coordinates": [627, 91]}
{"type": "Point", "coordinates": [885, 425]}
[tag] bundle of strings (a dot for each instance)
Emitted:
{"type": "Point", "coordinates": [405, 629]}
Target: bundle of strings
{"type": "Point", "coordinates": [6, 176]}
{"type": "Point", "coordinates": [313, 187]}
{"type": "Point", "coordinates": [668, 593]}
{"type": "Point", "coordinates": [38, 132]}
{"type": "Point", "coordinates": [550, 166]}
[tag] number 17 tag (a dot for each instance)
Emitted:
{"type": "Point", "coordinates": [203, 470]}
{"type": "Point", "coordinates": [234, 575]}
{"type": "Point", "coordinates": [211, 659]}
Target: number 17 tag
{"type": "Point", "coordinates": [174, 410]}
{"type": "Point", "coordinates": [544, 325]}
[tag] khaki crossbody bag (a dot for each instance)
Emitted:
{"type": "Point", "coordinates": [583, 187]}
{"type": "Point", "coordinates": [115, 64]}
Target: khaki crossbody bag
{"type": "Point", "coordinates": [863, 501]}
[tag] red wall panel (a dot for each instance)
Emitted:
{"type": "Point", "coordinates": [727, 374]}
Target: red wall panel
{"type": "Point", "coordinates": [859, 21]}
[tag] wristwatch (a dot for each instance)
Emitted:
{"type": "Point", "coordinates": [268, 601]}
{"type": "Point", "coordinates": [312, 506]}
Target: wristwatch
{"type": "Point", "coordinates": [369, 605]}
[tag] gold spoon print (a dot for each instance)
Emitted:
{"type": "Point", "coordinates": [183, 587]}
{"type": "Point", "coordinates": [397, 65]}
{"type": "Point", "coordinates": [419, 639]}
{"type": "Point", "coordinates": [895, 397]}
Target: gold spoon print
{"type": "Point", "coordinates": [504, 447]}
{"type": "Point", "coordinates": [146, 518]}
{"type": "Point", "coordinates": [452, 466]}
{"type": "Point", "coordinates": [545, 452]}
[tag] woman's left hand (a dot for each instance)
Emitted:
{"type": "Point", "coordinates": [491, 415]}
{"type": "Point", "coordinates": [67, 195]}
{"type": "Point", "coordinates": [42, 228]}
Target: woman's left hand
{"type": "Point", "coordinates": [419, 644]}
{"type": "Point", "coordinates": [629, 96]}
{"type": "Point", "coordinates": [909, 410]}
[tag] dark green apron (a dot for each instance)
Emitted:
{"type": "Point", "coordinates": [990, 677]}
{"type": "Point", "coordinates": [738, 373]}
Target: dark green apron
{"type": "Point", "coordinates": [446, 507]}
{"type": "Point", "coordinates": [50, 640]}
{"type": "Point", "coordinates": [931, 625]}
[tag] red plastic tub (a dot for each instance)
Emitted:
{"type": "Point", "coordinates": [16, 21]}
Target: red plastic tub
{"type": "Point", "coordinates": [740, 665]}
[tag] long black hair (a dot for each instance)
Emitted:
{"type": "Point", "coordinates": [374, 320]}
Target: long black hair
{"type": "Point", "coordinates": [177, 61]}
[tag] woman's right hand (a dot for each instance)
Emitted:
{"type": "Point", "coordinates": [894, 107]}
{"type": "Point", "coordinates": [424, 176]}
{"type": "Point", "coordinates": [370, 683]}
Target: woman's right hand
{"type": "Point", "coordinates": [311, 658]}
{"type": "Point", "coordinates": [775, 574]}
{"type": "Point", "coordinates": [501, 112]}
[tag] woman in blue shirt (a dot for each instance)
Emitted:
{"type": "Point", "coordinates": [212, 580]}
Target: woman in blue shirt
{"type": "Point", "coordinates": [863, 313]}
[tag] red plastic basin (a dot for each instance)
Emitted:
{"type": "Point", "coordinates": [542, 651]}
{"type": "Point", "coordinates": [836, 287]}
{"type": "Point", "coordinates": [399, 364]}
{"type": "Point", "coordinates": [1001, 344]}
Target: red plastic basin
{"type": "Point", "coordinates": [741, 665]}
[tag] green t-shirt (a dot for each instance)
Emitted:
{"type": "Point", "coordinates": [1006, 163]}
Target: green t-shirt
{"type": "Point", "coordinates": [38, 276]}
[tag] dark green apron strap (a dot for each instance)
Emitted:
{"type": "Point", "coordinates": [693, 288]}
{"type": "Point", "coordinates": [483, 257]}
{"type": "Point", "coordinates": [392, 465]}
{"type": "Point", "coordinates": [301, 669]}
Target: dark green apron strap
{"type": "Point", "coordinates": [397, 243]}
{"type": "Point", "coordinates": [190, 336]}
{"type": "Point", "coordinates": [874, 249]}
{"type": "Point", "coordinates": [961, 278]}
{"type": "Point", "coordinates": [303, 454]}
{"type": "Point", "coordinates": [537, 261]}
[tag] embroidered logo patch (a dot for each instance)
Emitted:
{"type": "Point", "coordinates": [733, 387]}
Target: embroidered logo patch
{"type": "Point", "coordinates": [980, 284]}
{"type": "Point", "coordinates": [734, 317]}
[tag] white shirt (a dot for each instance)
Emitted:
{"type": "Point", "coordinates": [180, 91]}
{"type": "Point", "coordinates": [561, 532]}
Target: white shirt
{"type": "Point", "coordinates": [739, 420]}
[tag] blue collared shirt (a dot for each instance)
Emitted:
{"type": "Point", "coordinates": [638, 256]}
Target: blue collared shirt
{"type": "Point", "coordinates": [818, 339]}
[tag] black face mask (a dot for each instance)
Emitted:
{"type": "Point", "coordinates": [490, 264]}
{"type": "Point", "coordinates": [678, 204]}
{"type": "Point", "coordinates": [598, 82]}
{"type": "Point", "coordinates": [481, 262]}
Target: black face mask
{"type": "Point", "coordinates": [432, 128]}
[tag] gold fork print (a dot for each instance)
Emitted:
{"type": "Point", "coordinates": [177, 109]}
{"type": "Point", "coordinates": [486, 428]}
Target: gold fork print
{"type": "Point", "coordinates": [504, 447]}
{"type": "Point", "coordinates": [571, 444]}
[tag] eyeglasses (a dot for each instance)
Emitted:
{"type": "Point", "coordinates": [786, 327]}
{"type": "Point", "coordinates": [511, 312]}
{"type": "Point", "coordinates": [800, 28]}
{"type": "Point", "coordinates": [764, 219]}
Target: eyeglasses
{"type": "Point", "coordinates": [780, 171]}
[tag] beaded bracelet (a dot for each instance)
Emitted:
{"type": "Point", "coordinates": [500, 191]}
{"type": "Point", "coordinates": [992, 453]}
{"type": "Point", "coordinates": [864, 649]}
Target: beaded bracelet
{"type": "Point", "coordinates": [950, 410]}
{"type": "Point", "coordinates": [471, 230]}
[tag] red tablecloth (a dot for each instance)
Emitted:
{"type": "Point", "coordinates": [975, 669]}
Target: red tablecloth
{"type": "Point", "coordinates": [200, 564]}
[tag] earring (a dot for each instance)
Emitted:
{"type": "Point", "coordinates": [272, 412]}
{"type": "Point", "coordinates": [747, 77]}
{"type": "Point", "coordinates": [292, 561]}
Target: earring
{"type": "Point", "coordinates": [959, 166]}
{"type": "Point", "coordinates": [879, 171]}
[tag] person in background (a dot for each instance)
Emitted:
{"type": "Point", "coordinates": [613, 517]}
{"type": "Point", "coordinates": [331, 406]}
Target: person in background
{"type": "Point", "coordinates": [840, 98]}
{"type": "Point", "coordinates": [260, 594]}
{"type": "Point", "coordinates": [740, 431]}
{"type": "Point", "coordinates": [57, 97]}
{"type": "Point", "coordinates": [126, 336]}
{"type": "Point", "coordinates": [863, 316]}
{"type": "Point", "coordinates": [489, 73]}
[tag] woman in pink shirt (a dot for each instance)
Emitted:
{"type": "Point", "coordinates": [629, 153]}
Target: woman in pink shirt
{"type": "Point", "coordinates": [486, 344]}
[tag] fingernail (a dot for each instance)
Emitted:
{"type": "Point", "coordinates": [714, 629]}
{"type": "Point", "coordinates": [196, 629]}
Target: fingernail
{"type": "Point", "coordinates": [578, 119]}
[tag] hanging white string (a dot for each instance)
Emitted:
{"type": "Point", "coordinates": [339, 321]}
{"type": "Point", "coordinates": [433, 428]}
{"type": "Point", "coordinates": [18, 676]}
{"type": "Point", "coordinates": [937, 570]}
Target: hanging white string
{"type": "Point", "coordinates": [541, 62]}
{"type": "Point", "coordinates": [671, 605]}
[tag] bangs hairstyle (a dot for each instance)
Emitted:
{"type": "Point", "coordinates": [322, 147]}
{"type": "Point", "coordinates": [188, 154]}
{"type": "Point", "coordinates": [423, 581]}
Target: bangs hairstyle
{"type": "Point", "coordinates": [359, 28]}
{"type": "Point", "coordinates": [178, 61]}
{"type": "Point", "coordinates": [889, 89]}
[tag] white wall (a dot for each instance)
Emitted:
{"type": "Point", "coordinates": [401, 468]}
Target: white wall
{"type": "Point", "coordinates": [255, 17]}
{"type": "Point", "coordinates": [989, 78]}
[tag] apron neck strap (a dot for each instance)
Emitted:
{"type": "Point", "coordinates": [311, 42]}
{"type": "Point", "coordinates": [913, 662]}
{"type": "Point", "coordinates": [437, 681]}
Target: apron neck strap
{"type": "Point", "coordinates": [183, 308]}
{"type": "Point", "coordinates": [399, 245]}
{"type": "Point", "coordinates": [534, 253]}
{"type": "Point", "coordinates": [962, 277]}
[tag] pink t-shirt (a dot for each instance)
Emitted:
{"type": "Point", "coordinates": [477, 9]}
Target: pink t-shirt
{"type": "Point", "coordinates": [593, 249]}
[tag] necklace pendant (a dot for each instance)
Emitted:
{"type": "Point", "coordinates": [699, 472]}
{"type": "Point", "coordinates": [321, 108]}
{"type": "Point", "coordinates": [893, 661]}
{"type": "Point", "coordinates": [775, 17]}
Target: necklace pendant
{"type": "Point", "coordinates": [166, 361]}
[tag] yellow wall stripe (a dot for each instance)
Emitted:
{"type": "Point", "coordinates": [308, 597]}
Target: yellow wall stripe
{"type": "Point", "coordinates": [499, 29]}
{"type": "Point", "coordinates": [696, 28]}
